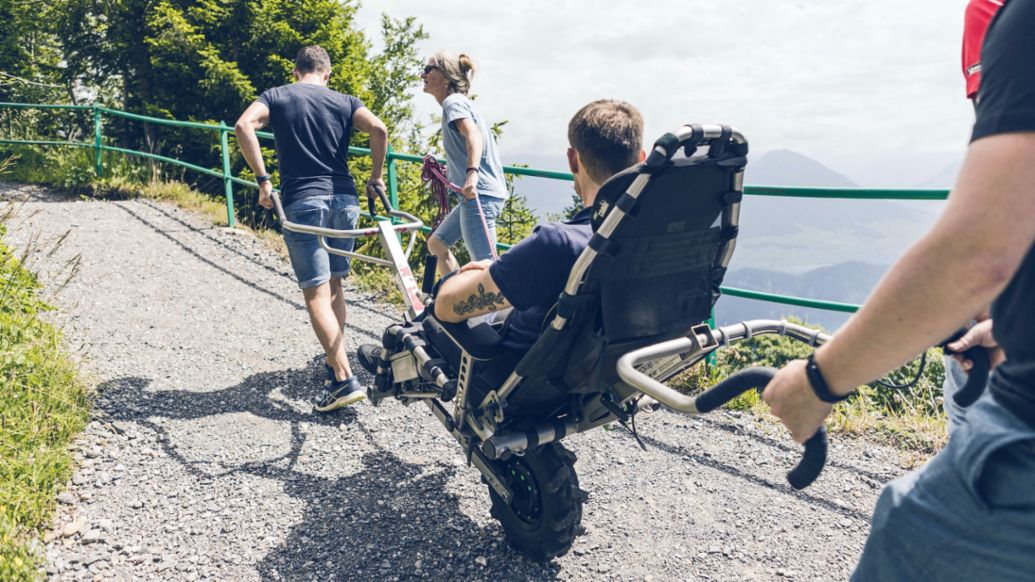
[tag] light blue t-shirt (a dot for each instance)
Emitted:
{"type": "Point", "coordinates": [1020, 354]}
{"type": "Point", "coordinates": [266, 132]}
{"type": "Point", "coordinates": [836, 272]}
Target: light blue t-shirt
{"type": "Point", "coordinates": [490, 176]}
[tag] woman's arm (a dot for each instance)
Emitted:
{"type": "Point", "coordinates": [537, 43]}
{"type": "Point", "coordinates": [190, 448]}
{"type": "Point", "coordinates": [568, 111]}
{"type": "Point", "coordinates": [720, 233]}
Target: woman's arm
{"type": "Point", "coordinates": [473, 137]}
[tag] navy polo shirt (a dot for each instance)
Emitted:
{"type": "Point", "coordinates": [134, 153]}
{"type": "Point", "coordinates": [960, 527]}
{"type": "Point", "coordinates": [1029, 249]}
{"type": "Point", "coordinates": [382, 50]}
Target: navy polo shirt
{"type": "Point", "coordinates": [532, 275]}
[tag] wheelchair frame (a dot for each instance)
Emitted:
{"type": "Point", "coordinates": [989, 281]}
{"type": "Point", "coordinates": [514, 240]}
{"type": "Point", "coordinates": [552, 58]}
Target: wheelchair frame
{"type": "Point", "coordinates": [406, 371]}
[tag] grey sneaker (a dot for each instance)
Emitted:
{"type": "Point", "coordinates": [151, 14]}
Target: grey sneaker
{"type": "Point", "coordinates": [348, 391]}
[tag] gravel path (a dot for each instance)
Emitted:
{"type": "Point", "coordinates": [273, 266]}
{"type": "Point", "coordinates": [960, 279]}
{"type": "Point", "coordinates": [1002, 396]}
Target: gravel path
{"type": "Point", "coordinates": [204, 460]}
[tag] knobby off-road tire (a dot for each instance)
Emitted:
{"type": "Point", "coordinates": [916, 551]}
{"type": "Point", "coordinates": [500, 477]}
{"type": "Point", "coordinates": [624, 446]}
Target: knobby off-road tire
{"type": "Point", "coordinates": [546, 510]}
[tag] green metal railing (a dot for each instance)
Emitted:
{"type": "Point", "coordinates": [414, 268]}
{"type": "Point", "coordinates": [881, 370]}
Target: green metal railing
{"type": "Point", "coordinates": [99, 148]}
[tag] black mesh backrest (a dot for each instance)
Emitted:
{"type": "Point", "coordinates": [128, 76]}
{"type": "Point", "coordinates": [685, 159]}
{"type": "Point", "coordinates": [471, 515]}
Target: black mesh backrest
{"type": "Point", "coordinates": [655, 273]}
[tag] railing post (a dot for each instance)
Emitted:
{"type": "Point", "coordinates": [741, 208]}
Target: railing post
{"type": "Point", "coordinates": [710, 359]}
{"type": "Point", "coordinates": [393, 183]}
{"type": "Point", "coordinates": [97, 164]}
{"type": "Point", "coordinates": [228, 184]}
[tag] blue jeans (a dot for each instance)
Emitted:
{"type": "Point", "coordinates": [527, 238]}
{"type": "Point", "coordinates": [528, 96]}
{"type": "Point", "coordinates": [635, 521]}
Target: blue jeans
{"type": "Point", "coordinates": [313, 265]}
{"type": "Point", "coordinates": [968, 514]}
{"type": "Point", "coordinates": [464, 221]}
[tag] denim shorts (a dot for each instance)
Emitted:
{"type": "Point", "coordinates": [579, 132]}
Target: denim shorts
{"type": "Point", "coordinates": [313, 265]}
{"type": "Point", "coordinates": [464, 221]}
{"type": "Point", "coordinates": [968, 514]}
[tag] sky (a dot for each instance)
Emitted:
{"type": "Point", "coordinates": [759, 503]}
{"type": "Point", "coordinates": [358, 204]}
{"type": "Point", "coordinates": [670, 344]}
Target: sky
{"type": "Point", "coordinates": [871, 88]}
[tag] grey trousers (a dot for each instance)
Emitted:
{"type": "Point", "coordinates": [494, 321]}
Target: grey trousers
{"type": "Point", "coordinates": [968, 514]}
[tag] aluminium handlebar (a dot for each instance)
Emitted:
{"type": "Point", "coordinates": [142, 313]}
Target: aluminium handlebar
{"type": "Point", "coordinates": [700, 342]}
{"type": "Point", "coordinates": [411, 224]}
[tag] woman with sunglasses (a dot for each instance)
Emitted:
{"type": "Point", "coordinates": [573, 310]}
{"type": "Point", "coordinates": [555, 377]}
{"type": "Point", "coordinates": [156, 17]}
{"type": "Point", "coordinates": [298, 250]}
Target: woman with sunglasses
{"type": "Point", "coordinates": [473, 163]}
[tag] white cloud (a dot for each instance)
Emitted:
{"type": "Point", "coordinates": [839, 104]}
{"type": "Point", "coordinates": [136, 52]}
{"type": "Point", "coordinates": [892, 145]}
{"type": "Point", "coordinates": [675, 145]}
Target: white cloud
{"type": "Point", "coordinates": [855, 83]}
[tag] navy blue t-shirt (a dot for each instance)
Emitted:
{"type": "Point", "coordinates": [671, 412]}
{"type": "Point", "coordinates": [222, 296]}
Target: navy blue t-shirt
{"type": "Point", "coordinates": [533, 272]}
{"type": "Point", "coordinates": [311, 127]}
{"type": "Point", "coordinates": [1006, 104]}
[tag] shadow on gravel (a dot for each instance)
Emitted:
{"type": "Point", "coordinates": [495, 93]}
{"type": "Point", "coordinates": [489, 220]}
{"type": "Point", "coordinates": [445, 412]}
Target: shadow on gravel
{"type": "Point", "coordinates": [391, 520]}
{"type": "Point", "coordinates": [227, 271]}
{"type": "Point", "coordinates": [832, 460]}
{"type": "Point", "coordinates": [776, 487]}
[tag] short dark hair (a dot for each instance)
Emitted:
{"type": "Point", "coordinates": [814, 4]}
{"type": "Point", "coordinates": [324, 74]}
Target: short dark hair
{"type": "Point", "coordinates": [608, 135]}
{"type": "Point", "coordinates": [312, 59]}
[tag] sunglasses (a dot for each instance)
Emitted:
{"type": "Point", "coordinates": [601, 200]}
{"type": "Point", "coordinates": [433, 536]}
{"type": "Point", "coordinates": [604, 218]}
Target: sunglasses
{"type": "Point", "coordinates": [428, 69]}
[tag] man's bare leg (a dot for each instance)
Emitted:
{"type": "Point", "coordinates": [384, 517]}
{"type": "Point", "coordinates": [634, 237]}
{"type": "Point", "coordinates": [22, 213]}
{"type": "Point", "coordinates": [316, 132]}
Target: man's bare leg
{"type": "Point", "coordinates": [338, 301]}
{"type": "Point", "coordinates": [325, 320]}
{"type": "Point", "coordinates": [446, 261]}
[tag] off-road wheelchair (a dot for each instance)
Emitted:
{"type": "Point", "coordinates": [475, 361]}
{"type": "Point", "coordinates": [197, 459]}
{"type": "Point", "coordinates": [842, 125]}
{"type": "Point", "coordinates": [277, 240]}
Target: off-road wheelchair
{"type": "Point", "coordinates": [629, 318]}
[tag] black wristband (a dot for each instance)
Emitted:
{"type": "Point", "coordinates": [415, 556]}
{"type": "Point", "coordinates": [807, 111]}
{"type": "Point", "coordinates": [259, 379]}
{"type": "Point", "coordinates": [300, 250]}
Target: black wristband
{"type": "Point", "coordinates": [819, 385]}
{"type": "Point", "coordinates": [263, 178]}
{"type": "Point", "coordinates": [472, 169]}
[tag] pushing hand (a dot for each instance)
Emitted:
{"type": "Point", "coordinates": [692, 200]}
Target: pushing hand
{"type": "Point", "coordinates": [791, 399]}
{"type": "Point", "coordinates": [980, 335]}
{"type": "Point", "coordinates": [265, 190]}
{"type": "Point", "coordinates": [471, 186]}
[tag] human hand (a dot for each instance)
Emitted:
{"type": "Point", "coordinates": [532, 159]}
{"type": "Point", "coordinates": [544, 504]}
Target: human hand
{"type": "Point", "coordinates": [265, 191]}
{"type": "Point", "coordinates": [375, 189]}
{"type": "Point", "coordinates": [477, 265]}
{"type": "Point", "coordinates": [790, 397]}
{"type": "Point", "coordinates": [471, 186]}
{"type": "Point", "coordinates": [980, 335]}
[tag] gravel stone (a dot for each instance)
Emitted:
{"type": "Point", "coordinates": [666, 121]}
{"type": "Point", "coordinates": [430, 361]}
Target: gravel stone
{"type": "Point", "coordinates": [204, 458]}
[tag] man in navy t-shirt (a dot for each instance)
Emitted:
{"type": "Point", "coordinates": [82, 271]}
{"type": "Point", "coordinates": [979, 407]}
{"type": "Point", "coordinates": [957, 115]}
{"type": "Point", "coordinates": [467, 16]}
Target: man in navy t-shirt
{"type": "Point", "coordinates": [969, 513]}
{"type": "Point", "coordinates": [312, 126]}
{"type": "Point", "coordinates": [605, 137]}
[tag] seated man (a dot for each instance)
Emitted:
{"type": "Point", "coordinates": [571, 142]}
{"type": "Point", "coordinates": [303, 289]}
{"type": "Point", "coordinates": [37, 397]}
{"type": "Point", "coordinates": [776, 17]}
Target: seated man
{"type": "Point", "coordinates": [606, 137]}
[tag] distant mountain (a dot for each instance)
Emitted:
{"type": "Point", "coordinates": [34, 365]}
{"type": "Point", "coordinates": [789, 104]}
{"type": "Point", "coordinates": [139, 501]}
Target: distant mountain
{"type": "Point", "coordinates": [944, 178]}
{"type": "Point", "coordinates": [799, 234]}
{"type": "Point", "coordinates": [847, 282]}
{"type": "Point", "coordinates": [789, 168]}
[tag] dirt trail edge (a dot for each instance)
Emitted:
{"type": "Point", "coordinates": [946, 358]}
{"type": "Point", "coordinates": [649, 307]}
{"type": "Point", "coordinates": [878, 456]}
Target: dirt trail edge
{"type": "Point", "coordinates": [204, 460]}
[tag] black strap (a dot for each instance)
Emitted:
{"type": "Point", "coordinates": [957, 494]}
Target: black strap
{"type": "Point", "coordinates": [603, 245]}
{"type": "Point", "coordinates": [819, 384]}
{"type": "Point", "coordinates": [626, 203]}
{"type": "Point", "coordinates": [732, 197]}
{"type": "Point", "coordinates": [574, 307]}
{"type": "Point", "coordinates": [717, 148]}
{"type": "Point", "coordinates": [668, 144]}
{"type": "Point", "coordinates": [532, 437]}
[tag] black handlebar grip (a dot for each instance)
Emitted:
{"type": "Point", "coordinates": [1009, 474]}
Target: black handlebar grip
{"type": "Point", "coordinates": [430, 265]}
{"type": "Point", "coordinates": [812, 461]}
{"type": "Point", "coordinates": [735, 385]}
{"type": "Point", "coordinates": [977, 377]}
{"type": "Point", "coordinates": [815, 455]}
{"type": "Point", "coordinates": [375, 189]}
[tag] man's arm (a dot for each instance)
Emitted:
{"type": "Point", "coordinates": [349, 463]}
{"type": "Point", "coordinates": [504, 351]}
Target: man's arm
{"type": "Point", "coordinates": [364, 120]}
{"type": "Point", "coordinates": [254, 118]}
{"type": "Point", "coordinates": [943, 280]}
{"type": "Point", "coordinates": [473, 137]}
{"type": "Point", "coordinates": [469, 293]}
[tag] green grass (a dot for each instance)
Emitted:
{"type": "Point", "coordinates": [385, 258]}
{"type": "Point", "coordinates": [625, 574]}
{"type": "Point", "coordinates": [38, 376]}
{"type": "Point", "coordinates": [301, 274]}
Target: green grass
{"type": "Point", "coordinates": [43, 406]}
